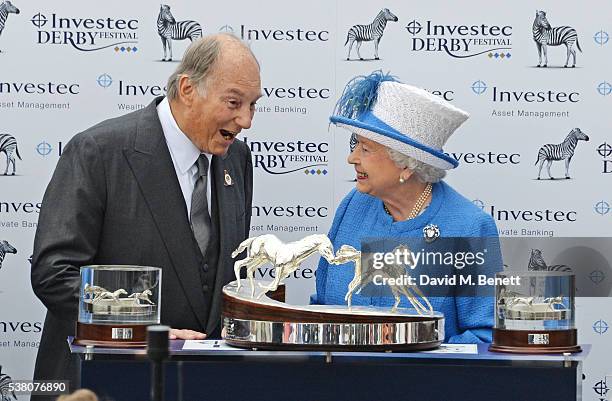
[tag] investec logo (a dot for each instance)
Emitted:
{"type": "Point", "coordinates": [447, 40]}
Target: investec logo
{"type": "Point", "coordinates": [486, 157]}
{"type": "Point", "coordinates": [61, 91]}
{"type": "Point", "coordinates": [17, 327]}
{"type": "Point", "coordinates": [12, 207]}
{"type": "Point", "coordinates": [302, 35]}
{"type": "Point", "coordinates": [528, 215]}
{"type": "Point", "coordinates": [128, 90]}
{"type": "Point", "coordinates": [39, 88]}
{"type": "Point", "coordinates": [461, 41]}
{"type": "Point", "coordinates": [87, 34]}
{"type": "Point", "coordinates": [278, 158]}
{"type": "Point", "coordinates": [290, 211]}
{"type": "Point", "coordinates": [512, 102]}
{"type": "Point", "coordinates": [18, 214]}
{"type": "Point", "coordinates": [503, 95]}
{"type": "Point", "coordinates": [292, 100]}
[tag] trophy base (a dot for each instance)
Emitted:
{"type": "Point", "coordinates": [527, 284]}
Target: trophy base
{"type": "Point", "coordinates": [535, 341]}
{"type": "Point", "coordinates": [111, 335]}
{"type": "Point", "coordinates": [300, 336]}
{"type": "Point", "coordinates": [263, 323]}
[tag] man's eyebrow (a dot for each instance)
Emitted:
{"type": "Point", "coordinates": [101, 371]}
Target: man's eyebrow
{"type": "Point", "coordinates": [239, 93]}
{"type": "Point", "coordinates": [235, 91]}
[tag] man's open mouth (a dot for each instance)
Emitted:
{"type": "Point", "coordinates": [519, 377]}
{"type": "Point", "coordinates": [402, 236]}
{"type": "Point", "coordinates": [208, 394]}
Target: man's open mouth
{"type": "Point", "coordinates": [228, 135]}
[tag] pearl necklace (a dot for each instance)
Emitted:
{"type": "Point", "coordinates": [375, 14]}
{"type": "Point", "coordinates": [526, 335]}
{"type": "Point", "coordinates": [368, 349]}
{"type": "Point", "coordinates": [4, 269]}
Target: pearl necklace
{"type": "Point", "coordinates": [418, 206]}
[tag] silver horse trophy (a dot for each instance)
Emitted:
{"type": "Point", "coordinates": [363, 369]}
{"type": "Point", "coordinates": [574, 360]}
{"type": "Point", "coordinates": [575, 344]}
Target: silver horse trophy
{"type": "Point", "coordinates": [253, 320]}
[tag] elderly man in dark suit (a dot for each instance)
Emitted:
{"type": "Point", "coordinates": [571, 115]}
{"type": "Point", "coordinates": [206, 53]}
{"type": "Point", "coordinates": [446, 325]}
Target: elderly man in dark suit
{"type": "Point", "coordinates": [137, 190]}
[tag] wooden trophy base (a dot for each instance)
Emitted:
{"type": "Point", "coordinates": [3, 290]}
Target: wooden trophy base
{"type": "Point", "coordinates": [263, 323]}
{"type": "Point", "coordinates": [535, 341]}
{"type": "Point", "coordinates": [111, 335]}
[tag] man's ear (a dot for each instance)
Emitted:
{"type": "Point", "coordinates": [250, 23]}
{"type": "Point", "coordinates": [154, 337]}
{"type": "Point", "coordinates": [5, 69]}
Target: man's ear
{"type": "Point", "coordinates": [186, 90]}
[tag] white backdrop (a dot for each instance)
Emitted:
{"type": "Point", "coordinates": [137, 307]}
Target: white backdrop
{"type": "Point", "coordinates": [61, 73]}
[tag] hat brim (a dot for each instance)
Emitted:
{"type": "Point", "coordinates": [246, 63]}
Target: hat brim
{"type": "Point", "coordinates": [397, 141]}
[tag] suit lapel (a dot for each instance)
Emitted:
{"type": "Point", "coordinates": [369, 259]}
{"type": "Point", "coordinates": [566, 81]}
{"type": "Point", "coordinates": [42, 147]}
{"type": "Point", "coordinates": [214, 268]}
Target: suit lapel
{"type": "Point", "coordinates": [152, 166]}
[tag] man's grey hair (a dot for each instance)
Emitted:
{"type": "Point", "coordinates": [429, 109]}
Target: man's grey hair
{"type": "Point", "coordinates": [199, 62]}
{"type": "Point", "coordinates": [423, 171]}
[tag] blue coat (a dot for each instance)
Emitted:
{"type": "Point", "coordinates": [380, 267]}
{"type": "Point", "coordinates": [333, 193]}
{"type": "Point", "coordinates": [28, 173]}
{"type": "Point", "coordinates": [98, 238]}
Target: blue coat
{"type": "Point", "coordinates": [467, 319]}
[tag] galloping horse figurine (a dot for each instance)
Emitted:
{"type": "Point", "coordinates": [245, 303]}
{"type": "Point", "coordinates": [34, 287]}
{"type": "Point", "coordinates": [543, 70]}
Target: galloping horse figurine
{"type": "Point", "coordinates": [347, 253]}
{"type": "Point", "coordinates": [93, 290]}
{"type": "Point", "coordinates": [286, 258]}
{"type": "Point", "coordinates": [108, 295]}
{"type": "Point", "coordinates": [142, 296]}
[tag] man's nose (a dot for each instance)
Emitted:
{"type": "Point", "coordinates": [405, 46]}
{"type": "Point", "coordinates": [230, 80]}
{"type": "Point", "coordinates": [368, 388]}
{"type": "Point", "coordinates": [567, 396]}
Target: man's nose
{"type": "Point", "coordinates": [245, 118]}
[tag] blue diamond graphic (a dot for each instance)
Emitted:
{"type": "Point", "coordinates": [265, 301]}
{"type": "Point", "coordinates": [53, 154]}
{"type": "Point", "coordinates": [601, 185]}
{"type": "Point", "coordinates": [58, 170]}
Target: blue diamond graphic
{"type": "Point", "coordinates": [324, 172]}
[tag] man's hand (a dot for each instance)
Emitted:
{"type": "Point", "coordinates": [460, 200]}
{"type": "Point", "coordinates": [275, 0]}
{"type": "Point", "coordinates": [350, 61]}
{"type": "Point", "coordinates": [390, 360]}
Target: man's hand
{"type": "Point", "coordinates": [185, 334]}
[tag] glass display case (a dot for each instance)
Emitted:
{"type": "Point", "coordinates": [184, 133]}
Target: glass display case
{"type": "Point", "coordinates": [117, 303]}
{"type": "Point", "coordinates": [535, 312]}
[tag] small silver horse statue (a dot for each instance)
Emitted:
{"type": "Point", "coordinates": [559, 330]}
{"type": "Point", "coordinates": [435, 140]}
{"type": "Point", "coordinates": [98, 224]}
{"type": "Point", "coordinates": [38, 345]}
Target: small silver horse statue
{"type": "Point", "coordinates": [347, 253]}
{"type": "Point", "coordinates": [285, 258]}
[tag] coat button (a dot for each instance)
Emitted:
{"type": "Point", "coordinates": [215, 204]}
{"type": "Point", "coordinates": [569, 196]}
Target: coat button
{"type": "Point", "coordinates": [205, 288]}
{"type": "Point", "coordinates": [205, 267]}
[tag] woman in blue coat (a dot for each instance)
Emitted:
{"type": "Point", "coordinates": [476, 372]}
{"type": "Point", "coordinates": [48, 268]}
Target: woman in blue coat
{"type": "Point", "coordinates": [398, 134]}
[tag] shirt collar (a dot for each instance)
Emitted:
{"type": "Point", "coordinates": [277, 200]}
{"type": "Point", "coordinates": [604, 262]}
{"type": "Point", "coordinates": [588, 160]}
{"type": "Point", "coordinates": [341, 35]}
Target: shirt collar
{"type": "Point", "coordinates": [185, 153]}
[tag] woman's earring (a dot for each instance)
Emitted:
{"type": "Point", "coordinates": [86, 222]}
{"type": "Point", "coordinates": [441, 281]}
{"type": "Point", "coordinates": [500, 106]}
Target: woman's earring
{"type": "Point", "coordinates": [402, 180]}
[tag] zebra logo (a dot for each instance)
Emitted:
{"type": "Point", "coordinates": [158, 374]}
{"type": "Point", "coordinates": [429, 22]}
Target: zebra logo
{"type": "Point", "coordinates": [8, 145]}
{"type": "Point", "coordinates": [5, 248]}
{"type": "Point", "coordinates": [5, 382]}
{"type": "Point", "coordinates": [545, 36]}
{"type": "Point", "coordinates": [561, 151]}
{"type": "Point", "coordinates": [168, 30]}
{"type": "Point", "coordinates": [6, 8]}
{"type": "Point", "coordinates": [367, 33]}
{"type": "Point", "coordinates": [537, 263]}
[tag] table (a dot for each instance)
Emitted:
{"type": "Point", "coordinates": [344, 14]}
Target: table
{"type": "Point", "coordinates": [220, 374]}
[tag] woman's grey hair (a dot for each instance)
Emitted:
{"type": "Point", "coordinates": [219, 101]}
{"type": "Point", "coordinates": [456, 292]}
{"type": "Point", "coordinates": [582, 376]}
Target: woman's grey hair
{"type": "Point", "coordinates": [199, 62]}
{"type": "Point", "coordinates": [423, 171]}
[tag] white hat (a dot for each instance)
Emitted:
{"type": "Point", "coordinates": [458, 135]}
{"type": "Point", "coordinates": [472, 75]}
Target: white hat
{"type": "Point", "coordinates": [407, 119]}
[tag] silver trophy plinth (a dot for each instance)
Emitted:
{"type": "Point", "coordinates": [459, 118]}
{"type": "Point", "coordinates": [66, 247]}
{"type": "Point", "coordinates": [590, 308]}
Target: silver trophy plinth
{"type": "Point", "coordinates": [264, 323]}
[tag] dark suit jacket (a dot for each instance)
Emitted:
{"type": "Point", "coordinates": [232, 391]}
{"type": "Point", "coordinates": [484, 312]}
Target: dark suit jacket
{"type": "Point", "coordinates": [115, 199]}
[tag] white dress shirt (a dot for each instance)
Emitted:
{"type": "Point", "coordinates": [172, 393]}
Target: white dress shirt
{"type": "Point", "coordinates": [184, 154]}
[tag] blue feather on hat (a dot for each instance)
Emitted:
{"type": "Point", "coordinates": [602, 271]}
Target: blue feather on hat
{"type": "Point", "coordinates": [360, 93]}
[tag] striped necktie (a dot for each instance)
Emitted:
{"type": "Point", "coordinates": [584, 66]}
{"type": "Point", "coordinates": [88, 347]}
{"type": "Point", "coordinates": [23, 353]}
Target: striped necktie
{"type": "Point", "coordinates": [200, 218]}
